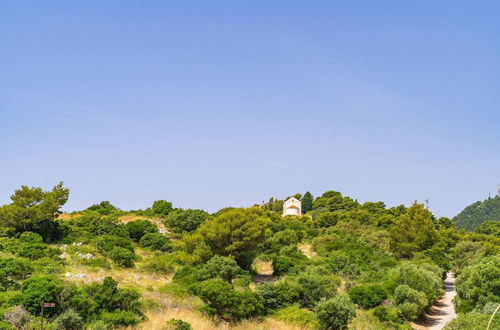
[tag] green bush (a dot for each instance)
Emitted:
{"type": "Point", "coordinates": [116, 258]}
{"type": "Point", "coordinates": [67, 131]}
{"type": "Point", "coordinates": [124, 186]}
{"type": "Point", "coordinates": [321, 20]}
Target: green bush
{"type": "Point", "coordinates": [106, 243]}
{"type": "Point", "coordinates": [227, 303]}
{"type": "Point", "coordinates": [298, 316]}
{"type": "Point", "coordinates": [36, 290]}
{"type": "Point", "coordinates": [68, 320]}
{"type": "Point", "coordinates": [10, 298]}
{"type": "Point", "coordinates": [479, 284]}
{"type": "Point", "coordinates": [185, 220]}
{"type": "Point", "coordinates": [155, 241]}
{"type": "Point", "coordinates": [6, 326]}
{"type": "Point", "coordinates": [138, 228]}
{"type": "Point", "coordinates": [175, 324]}
{"type": "Point", "coordinates": [162, 264]}
{"type": "Point", "coordinates": [103, 208]}
{"type": "Point", "coordinates": [388, 314]}
{"type": "Point", "coordinates": [120, 318]}
{"type": "Point", "coordinates": [420, 279]}
{"type": "Point", "coordinates": [30, 237]}
{"type": "Point", "coordinates": [313, 287]}
{"type": "Point", "coordinates": [410, 301]}
{"type": "Point", "coordinates": [223, 267]}
{"type": "Point", "coordinates": [161, 207]}
{"type": "Point", "coordinates": [335, 313]}
{"type": "Point", "coordinates": [473, 321]}
{"type": "Point", "coordinates": [367, 296]}
{"type": "Point", "coordinates": [122, 257]}
{"type": "Point", "coordinates": [37, 250]}
{"type": "Point", "coordinates": [12, 270]}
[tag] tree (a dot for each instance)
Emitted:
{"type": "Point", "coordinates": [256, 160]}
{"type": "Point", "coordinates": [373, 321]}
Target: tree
{"type": "Point", "coordinates": [103, 208]}
{"type": "Point", "coordinates": [33, 206]}
{"type": "Point", "coordinates": [307, 202]}
{"type": "Point", "coordinates": [12, 270]}
{"type": "Point", "coordinates": [335, 313]}
{"type": "Point", "coordinates": [185, 220]}
{"type": "Point", "coordinates": [162, 207]}
{"type": "Point", "coordinates": [479, 212]}
{"type": "Point", "coordinates": [237, 232]}
{"type": "Point", "coordinates": [414, 231]}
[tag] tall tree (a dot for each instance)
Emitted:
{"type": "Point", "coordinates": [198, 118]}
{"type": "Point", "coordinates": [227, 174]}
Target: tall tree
{"type": "Point", "coordinates": [413, 231]}
{"type": "Point", "coordinates": [307, 202]}
{"type": "Point", "coordinates": [33, 207]}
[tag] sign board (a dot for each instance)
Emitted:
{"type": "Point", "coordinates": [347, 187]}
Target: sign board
{"type": "Point", "coordinates": [48, 305]}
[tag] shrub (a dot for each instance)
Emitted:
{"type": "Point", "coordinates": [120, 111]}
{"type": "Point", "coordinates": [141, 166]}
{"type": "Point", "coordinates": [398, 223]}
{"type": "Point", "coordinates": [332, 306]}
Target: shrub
{"type": "Point", "coordinates": [103, 208]}
{"type": "Point", "coordinates": [106, 243]}
{"type": "Point", "coordinates": [37, 250]}
{"type": "Point", "coordinates": [162, 264]}
{"type": "Point", "coordinates": [68, 320]}
{"type": "Point", "coordinates": [185, 220]}
{"type": "Point", "coordinates": [420, 279]}
{"type": "Point", "coordinates": [155, 241]}
{"type": "Point", "coordinates": [478, 284]}
{"type": "Point", "coordinates": [40, 289]}
{"type": "Point", "coordinates": [138, 228]}
{"type": "Point", "coordinates": [120, 318]}
{"type": "Point", "coordinates": [473, 321]}
{"type": "Point", "coordinates": [29, 237]}
{"type": "Point", "coordinates": [388, 314]}
{"type": "Point", "coordinates": [296, 315]}
{"type": "Point", "coordinates": [161, 207]}
{"type": "Point", "coordinates": [175, 324]}
{"type": "Point", "coordinates": [16, 316]}
{"type": "Point", "coordinates": [222, 300]}
{"type": "Point", "coordinates": [410, 301]}
{"type": "Point", "coordinates": [10, 298]}
{"type": "Point", "coordinates": [335, 313]}
{"type": "Point", "coordinates": [12, 270]}
{"type": "Point", "coordinates": [223, 267]}
{"type": "Point", "coordinates": [122, 257]}
{"type": "Point", "coordinates": [6, 326]}
{"type": "Point", "coordinates": [367, 296]}
{"type": "Point", "coordinates": [313, 287]}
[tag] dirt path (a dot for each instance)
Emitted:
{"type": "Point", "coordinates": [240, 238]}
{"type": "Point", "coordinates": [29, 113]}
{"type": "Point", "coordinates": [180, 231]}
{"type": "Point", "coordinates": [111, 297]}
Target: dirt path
{"type": "Point", "coordinates": [443, 310]}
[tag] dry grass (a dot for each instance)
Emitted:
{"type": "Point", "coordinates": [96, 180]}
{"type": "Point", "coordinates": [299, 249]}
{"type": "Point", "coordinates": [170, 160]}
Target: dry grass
{"type": "Point", "coordinates": [156, 321]}
{"type": "Point", "coordinates": [263, 267]}
{"type": "Point", "coordinates": [306, 249]}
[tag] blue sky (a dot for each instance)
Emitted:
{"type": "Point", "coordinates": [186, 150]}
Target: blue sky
{"type": "Point", "coordinates": [226, 103]}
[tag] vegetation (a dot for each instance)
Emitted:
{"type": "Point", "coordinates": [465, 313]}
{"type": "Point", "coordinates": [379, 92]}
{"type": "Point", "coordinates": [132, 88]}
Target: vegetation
{"type": "Point", "coordinates": [479, 212]}
{"type": "Point", "coordinates": [341, 264]}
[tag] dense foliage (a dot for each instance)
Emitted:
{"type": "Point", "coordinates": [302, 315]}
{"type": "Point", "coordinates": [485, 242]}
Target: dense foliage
{"type": "Point", "coordinates": [478, 212]}
{"type": "Point", "coordinates": [341, 264]}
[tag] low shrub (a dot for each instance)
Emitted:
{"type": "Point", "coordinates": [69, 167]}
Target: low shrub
{"type": "Point", "coordinates": [122, 257]}
{"type": "Point", "coordinates": [388, 314]}
{"type": "Point", "coordinates": [335, 313]}
{"type": "Point", "coordinates": [68, 320]}
{"type": "Point", "coordinates": [367, 296]}
{"type": "Point", "coordinates": [120, 318]}
{"type": "Point", "coordinates": [298, 316]}
{"type": "Point", "coordinates": [155, 241]}
{"type": "Point", "coordinates": [175, 324]}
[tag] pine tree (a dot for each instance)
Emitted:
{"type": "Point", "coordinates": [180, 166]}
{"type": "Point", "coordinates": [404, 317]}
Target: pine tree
{"type": "Point", "coordinates": [307, 202]}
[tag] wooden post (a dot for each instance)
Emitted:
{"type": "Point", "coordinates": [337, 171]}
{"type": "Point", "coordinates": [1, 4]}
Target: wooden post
{"type": "Point", "coordinates": [41, 327]}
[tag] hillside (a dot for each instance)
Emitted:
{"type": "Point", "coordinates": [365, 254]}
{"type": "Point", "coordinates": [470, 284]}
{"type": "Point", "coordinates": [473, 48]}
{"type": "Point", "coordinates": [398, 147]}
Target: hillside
{"type": "Point", "coordinates": [339, 265]}
{"type": "Point", "coordinates": [479, 212]}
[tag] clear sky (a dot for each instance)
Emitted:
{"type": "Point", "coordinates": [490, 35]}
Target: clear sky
{"type": "Point", "coordinates": [226, 103]}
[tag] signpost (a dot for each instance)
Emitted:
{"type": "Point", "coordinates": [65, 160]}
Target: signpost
{"type": "Point", "coordinates": [46, 305]}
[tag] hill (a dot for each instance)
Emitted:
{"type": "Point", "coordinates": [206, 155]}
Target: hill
{"type": "Point", "coordinates": [477, 213]}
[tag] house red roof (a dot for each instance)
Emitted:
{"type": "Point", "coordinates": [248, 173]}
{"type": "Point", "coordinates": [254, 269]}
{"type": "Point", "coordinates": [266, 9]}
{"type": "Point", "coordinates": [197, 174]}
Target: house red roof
{"type": "Point", "coordinates": [292, 207]}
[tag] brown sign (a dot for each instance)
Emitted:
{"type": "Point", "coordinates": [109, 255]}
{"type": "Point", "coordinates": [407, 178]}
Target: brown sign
{"type": "Point", "coordinates": [48, 305]}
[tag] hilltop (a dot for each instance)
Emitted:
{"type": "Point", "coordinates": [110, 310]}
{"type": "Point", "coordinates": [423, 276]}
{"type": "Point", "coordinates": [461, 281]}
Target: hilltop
{"type": "Point", "coordinates": [477, 213]}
